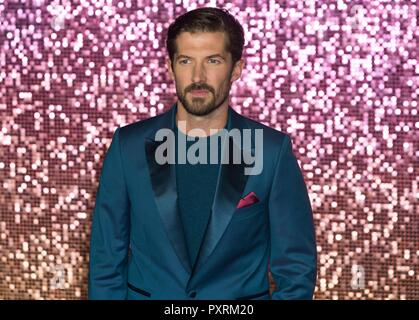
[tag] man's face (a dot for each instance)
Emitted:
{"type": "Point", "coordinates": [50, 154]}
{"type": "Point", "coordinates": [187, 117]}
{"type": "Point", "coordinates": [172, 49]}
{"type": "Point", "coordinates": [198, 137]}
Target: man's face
{"type": "Point", "coordinates": [203, 71]}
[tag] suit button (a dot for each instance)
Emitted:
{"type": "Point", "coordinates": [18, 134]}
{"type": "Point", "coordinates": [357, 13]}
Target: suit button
{"type": "Point", "coordinates": [192, 294]}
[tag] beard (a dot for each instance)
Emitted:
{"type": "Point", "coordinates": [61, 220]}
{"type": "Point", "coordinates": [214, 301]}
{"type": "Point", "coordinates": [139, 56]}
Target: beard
{"type": "Point", "coordinates": [202, 106]}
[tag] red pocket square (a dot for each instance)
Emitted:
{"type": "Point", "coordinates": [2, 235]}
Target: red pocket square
{"type": "Point", "coordinates": [248, 200]}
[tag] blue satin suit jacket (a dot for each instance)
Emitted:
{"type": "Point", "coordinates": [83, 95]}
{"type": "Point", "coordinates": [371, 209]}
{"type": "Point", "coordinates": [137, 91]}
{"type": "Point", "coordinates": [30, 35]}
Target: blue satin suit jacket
{"type": "Point", "coordinates": [137, 245]}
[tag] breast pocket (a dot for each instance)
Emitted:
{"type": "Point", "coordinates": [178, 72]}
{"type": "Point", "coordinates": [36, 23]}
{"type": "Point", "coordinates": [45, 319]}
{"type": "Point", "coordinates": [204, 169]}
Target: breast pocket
{"type": "Point", "coordinates": [249, 211]}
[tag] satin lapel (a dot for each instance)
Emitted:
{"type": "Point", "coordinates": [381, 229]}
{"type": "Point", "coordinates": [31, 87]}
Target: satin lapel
{"type": "Point", "coordinates": [230, 187]}
{"type": "Point", "coordinates": [163, 180]}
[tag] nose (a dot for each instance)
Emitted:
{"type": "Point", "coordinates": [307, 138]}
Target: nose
{"type": "Point", "coordinates": [198, 73]}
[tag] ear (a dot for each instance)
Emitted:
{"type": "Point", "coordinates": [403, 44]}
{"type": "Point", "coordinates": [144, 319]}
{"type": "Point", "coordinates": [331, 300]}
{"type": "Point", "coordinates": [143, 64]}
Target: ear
{"type": "Point", "coordinates": [237, 70]}
{"type": "Point", "coordinates": [169, 67]}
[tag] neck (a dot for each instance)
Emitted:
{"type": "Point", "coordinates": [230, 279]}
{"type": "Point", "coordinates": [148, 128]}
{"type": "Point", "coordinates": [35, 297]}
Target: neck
{"type": "Point", "coordinates": [204, 125]}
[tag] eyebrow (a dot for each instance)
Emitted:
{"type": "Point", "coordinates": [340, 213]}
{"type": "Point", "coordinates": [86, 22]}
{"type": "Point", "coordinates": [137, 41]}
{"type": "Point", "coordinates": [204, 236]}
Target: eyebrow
{"type": "Point", "coordinates": [182, 56]}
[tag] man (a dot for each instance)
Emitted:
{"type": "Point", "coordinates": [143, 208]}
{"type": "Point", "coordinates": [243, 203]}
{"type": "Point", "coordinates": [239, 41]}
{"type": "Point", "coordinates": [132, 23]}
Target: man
{"type": "Point", "coordinates": [165, 228]}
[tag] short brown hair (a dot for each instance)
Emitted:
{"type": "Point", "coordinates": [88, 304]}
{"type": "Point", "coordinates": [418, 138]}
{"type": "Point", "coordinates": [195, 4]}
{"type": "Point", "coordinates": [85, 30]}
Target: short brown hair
{"type": "Point", "coordinates": [208, 20]}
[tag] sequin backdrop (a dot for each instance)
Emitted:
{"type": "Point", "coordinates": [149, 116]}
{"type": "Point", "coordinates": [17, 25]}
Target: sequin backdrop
{"type": "Point", "coordinates": [340, 77]}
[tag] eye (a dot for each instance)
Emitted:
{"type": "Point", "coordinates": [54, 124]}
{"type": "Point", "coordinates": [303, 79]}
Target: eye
{"type": "Point", "coordinates": [214, 61]}
{"type": "Point", "coordinates": [183, 61]}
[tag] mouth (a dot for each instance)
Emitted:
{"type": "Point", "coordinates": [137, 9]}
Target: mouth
{"type": "Point", "coordinates": [200, 93]}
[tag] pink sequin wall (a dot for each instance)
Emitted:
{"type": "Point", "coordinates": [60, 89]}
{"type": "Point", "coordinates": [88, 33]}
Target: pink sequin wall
{"type": "Point", "coordinates": [340, 77]}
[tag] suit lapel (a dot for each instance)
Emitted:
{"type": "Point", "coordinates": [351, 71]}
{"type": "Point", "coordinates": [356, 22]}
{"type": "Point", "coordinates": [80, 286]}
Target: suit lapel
{"type": "Point", "coordinates": [231, 183]}
{"type": "Point", "coordinates": [163, 181]}
{"type": "Point", "coordinates": [230, 186]}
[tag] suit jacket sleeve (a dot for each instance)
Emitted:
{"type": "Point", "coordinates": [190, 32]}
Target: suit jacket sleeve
{"type": "Point", "coordinates": [293, 260]}
{"type": "Point", "coordinates": [109, 240]}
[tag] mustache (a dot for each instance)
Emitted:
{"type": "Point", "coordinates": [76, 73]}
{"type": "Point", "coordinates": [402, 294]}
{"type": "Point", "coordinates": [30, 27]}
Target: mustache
{"type": "Point", "coordinates": [199, 86]}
